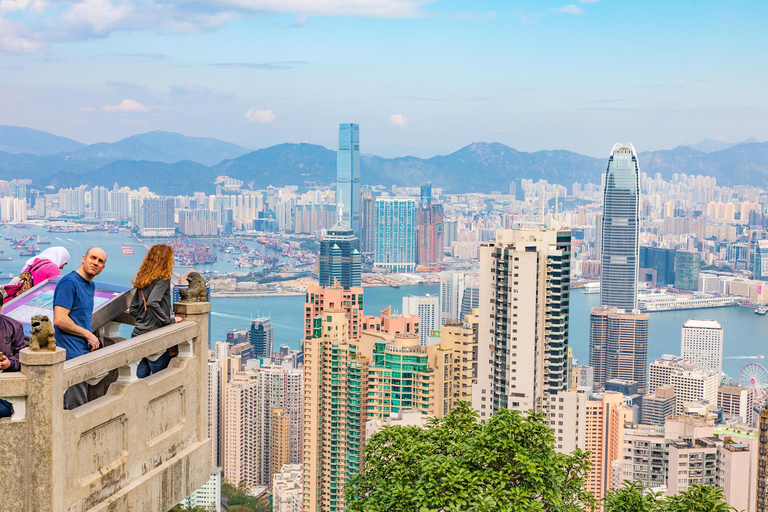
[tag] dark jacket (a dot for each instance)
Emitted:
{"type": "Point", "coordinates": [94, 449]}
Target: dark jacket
{"type": "Point", "coordinates": [157, 312]}
{"type": "Point", "coordinates": [11, 341]}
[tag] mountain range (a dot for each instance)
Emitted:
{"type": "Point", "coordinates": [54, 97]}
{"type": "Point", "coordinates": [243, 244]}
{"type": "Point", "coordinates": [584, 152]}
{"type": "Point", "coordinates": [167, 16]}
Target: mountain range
{"type": "Point", "coordinates": [171, 163]}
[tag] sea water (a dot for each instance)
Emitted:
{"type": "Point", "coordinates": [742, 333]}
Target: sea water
{"type": "Point", "coordinates": [745, 335]}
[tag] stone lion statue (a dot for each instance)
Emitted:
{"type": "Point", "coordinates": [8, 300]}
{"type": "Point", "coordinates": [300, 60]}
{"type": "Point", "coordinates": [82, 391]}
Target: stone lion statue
{"type": "Point", "coordinates": [196, 291]}
{"type": "Point", "coordinates": [42, 335]}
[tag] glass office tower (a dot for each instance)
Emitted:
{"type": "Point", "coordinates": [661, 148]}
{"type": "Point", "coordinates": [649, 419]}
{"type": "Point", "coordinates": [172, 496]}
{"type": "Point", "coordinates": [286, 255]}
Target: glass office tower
{"type": "Point", "coordinates": [348, 176]}
{"type": "Point", "coordinates": [620, 229]}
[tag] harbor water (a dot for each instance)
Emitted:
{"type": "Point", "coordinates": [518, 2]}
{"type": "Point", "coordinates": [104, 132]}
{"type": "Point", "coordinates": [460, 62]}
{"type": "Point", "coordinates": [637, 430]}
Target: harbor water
{"type": "Point", "coordinates": [745, 334]}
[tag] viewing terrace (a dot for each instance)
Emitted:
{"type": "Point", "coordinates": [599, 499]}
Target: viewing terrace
{"type": "Point", "coordinates": [142, 447]}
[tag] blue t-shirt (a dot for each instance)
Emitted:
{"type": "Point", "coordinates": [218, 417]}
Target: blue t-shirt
{"type": "Point", "coordinates": [76, 294]}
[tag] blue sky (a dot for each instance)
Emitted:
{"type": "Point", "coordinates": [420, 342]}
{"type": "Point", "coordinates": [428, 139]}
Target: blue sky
{"type": "Point", "coordinates": [418, 76]}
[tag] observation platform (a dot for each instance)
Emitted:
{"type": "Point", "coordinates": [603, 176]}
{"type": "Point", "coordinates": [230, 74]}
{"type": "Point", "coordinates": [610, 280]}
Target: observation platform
{"type": "Point", "coordinates": [142, 447]}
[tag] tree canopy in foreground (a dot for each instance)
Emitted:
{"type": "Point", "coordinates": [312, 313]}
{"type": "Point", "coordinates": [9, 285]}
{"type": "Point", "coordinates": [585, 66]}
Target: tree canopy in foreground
{"type": "Point", "coordinates": [460, 465]}
{"type": "Point", "coordinates": [508, 464]}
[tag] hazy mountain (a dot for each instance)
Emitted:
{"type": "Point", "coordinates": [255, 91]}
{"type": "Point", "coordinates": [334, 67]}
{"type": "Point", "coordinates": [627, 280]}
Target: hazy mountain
{"type": "Point", "coordinates": [742, 164]}
{"type": "Point", "coordinates": [477, 167]}
{"type": "Point", "coordinates": [17, 139]}
{"type": "Point", "coordinates": [161, 146]}
{"type": "Point", "coordinates": [712, 145]}
{"type": "Point", "coordinates": [37, 168]}
{"type": "Point", "coordinates": [284, 164]}
{"type": "Point", "coordinates": [166, 179]}
{"type": "Point", "coordinates": [170, 163]}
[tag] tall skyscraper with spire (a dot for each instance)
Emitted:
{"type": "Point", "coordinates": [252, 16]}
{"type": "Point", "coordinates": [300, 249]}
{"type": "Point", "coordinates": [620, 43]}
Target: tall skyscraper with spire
{"type": "Point", "coordinates": [618, 332]}
{"type": "Point", "coordinates": [348, 176]}
{"type": "Point", "coordinates": [620, 229]}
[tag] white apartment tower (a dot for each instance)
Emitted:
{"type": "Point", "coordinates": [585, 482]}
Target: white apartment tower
{"type": "Point", "coordinates": [428, 310]}
{"type": "Point", "coordinates": [523, 323]}
{"type": "Point", "coordinates": [691, 383]}
{"type": "Point", "coordinates": [251, 396]}
{"type": "Point", "coordinates": [452, 286]}
{"type": "Point", "coordinates": [702, 343]}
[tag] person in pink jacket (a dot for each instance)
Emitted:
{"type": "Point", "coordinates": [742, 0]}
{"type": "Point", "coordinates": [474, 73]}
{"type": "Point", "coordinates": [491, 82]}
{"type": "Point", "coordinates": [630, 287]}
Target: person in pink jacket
{"type": "Point", "coordinates": [37, 269]}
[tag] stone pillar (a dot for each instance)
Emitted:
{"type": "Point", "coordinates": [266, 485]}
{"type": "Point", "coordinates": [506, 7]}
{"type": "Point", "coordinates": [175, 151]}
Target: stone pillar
{"type": "Point", "coordinates": [45, 410]}
{"type": "Point", "coordinates": [198, 351]}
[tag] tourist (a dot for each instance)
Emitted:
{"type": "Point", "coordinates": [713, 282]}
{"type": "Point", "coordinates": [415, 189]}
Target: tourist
{"type": "Point", "coordinates": [11, 343]}
{"type": "Point", "coordinates": [151, 303]}
{"type": "Point", "coordinates": [72, 310]}
{"type": "Point", "coordinates": [37, 269]}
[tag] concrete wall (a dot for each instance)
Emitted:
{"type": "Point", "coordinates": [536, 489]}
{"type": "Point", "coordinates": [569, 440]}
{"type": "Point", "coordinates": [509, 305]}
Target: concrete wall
{"type": "Point", "coordinates": [142, 447]}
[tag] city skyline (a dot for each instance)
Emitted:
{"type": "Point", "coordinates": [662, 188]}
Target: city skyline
{"type": "Point", "coordinates": [262, 72]}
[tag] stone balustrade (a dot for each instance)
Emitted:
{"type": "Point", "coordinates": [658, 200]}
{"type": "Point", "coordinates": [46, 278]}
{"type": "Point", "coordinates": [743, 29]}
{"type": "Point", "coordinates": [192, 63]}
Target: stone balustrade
{"type": "Point", "coordinates": [142, 447]}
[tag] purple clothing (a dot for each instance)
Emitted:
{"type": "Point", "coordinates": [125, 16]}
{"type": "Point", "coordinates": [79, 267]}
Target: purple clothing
{"type": "Point", "coordinates": [11, 341]}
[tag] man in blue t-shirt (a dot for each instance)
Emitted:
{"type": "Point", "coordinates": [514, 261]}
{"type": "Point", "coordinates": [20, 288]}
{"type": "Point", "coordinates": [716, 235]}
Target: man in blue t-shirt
{"type": "Point", "coordinates": [72, 310]}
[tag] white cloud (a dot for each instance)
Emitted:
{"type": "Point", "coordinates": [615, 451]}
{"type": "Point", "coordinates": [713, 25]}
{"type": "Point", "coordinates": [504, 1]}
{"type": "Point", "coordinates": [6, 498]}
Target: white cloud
{"type": "Point", "coordinates": [14, 40]}
{"type": "Point", "coordinates": [357, 8]}
{"type": "Point", "coordinates": [74, 20]}
{"type": "Point", "coordinates": [87, 109]}
{"type": "Point", "coordinates": [569, 9]}
{"type": "Point", "coordinates": [99, 16]}
{"type": "Point", "coordinates": [125, 106]}
{"type": "Point", "coordinates": [260, 116]}
{"type": "Point", "coordinates": [36, 6]}
{"type": "Point", "coordinates": [588, 1]}
{"type": "Point", "coordinates": [398, 120]}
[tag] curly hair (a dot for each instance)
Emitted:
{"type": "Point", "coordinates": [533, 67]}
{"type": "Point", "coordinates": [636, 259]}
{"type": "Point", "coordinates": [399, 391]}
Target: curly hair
{"type": "Point", "coordinates": [157, 264]}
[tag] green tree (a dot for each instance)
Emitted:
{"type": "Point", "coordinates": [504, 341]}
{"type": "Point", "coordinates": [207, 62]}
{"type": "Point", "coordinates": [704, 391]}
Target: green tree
{"type": "Point", "coordinates": [237, 498]}
{"type": "Point", "coordinates": [633, 497]}
{"type": "Point", "coordinates": [459, 465]}
{"type": "Point", "coordinates": [699, 498]}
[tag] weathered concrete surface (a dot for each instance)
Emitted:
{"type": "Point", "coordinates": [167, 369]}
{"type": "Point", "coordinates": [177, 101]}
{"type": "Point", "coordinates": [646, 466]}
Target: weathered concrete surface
{"type": "Point", "coordinates": [142, 447]}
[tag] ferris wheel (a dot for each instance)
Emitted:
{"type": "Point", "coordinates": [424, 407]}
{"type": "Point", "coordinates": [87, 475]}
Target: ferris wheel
{"type": "Point", "coordinates": [755, 376]}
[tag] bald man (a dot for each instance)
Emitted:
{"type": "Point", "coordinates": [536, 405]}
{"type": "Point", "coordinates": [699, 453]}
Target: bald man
{"type": "Point", "coordinates": [72, 310]}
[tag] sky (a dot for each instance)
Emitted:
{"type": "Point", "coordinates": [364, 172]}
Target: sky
{"type": "Point", "coordinates": [420, 77]}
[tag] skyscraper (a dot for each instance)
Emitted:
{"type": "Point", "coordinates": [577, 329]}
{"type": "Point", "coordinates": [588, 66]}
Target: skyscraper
{"type": "Point", "coordinates": [606, 415]}
{"type": "Point", "coordinates": [395, 242]}
{"type": "Point", "coordinates": [691, 383]}
{"type": "Point", "coordinates": [620, 225]}
{"type": "Point", "coordinates": [426, 195]}
{"type": "Point", "coordinates": [702, 343]}
{"type": "Point", "coordinates": [618, 346]}
{"type": "Point", "coordinates": [687, 264]}
{"type": "Point", "coordinates": [348, 176]}
{"type": "Point", "coordinates": [351, 381]}
{"type": "Point", "coordinates": [430, 234]}
{"type": "Point", "coordinates": [264, 417]}
{"type": "Point", "coordinates": [367, 226]}
{"type": "Point", "coordinates": [452, 286]}
{"type": "Point", "coordinates": [428, 310]}
{"type": "Point", "coordinates": [156, 217]}
{"type": "Point", "coordinates": [339, 257]}
{"type": "Point", "coordinates": [261, 336]}
{"type": "Point", "coordinates": [524, 297]}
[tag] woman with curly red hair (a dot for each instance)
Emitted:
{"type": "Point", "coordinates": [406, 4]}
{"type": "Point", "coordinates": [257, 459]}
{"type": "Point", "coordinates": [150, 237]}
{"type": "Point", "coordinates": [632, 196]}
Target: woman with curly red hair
{"type": "Point", "coordinates": [151, 303]}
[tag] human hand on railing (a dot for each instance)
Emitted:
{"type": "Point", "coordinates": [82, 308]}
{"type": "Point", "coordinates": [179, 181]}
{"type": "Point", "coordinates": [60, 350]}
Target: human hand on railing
{"type": "Point", "coordinates": [5, 363]}
{"type": "Point", "coordinates": [93, 341]}
{"type": "Point", "coordinates": [178, 319]}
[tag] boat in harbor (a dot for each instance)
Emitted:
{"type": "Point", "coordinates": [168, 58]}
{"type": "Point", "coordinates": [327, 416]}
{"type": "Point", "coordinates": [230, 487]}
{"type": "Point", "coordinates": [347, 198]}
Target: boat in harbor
{"type": "Point", "coordinates": [762, 310]}
{"type": "Point", "coordinates": [127, 250]}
